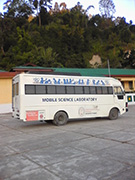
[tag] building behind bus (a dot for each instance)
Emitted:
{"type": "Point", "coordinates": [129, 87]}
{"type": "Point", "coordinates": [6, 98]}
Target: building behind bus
{"type": "Point", "coordinates": [126, 76]}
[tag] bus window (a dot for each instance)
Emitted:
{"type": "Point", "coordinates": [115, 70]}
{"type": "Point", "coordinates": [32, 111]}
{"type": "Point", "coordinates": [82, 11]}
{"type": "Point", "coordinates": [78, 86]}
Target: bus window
{"type": "Point", "coordinates": [92, 90]}
{"type": "Point", "coordinates": [70, 89]}
{"type": "Point", "coordinates": [29, 89]}
{"type": "Point", "coordinates": [110, 90]}
{"type": "Point", "coordinates": [99, 90]}
{"type": "Point", "coordinates": [104, 90]}
{"type": "Point", "coordinates": [51, 90]}
{"type": "Point", "coordinates": [78, 90]}
{"type": "Point", "coordinates": [13, 90]}
{"type": "Point", "coordinates": [60, 89]}
{"type": "Point", "coordinates": [17, 89]}
{"type": "Point", "coordinates": [40, 89]}
{"type": "Point", "coordinates": [118, 90]}
{"type": "Point", "coordinates": [86, 90]}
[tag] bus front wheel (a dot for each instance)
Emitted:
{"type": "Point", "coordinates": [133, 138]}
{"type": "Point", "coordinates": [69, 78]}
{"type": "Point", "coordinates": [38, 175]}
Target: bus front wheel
{"type": "Point", "coordinates": [113, 114]}
{"type": "Point", "coordinates": [60, 118]}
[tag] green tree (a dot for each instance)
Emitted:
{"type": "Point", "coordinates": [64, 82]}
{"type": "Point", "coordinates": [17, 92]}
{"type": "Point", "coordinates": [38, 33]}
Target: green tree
{"type": "Point", "coordinates": [63, 37]}
{"type": "Point", "coordinates": [17, 8]}
{"type": "Point", "coordinates": [129, 59]}
{"type": "Point", "coordinates": [7, 34]}
{"type": "Point", "coordinates": [47, 57]}
{"type": "Point", "coordinates": [125, 35]}
{"type": "Point", "coordinates": [38, 5]}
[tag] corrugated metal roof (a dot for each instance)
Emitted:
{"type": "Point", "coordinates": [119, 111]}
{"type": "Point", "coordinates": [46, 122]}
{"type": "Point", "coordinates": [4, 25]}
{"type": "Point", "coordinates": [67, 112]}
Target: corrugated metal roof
{"type": "Point", "coordinates": [84, 71]}
{"type": "Point", "coordinates": [30, 67]}
{"type": "Point", "coordinates": [2, 71]}
{"type": "Point", "coordinates": [98, 72]}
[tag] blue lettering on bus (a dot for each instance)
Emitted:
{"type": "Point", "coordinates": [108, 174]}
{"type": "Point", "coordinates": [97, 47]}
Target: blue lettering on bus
{"type": "Point", "coordinates": [98, 82]}
{"type": "Point", "coordinates": [66, 81]}
{"type": "Point", "coordinates": [69, 81]}
{"type": "Point", "coordinates": [81, 81]}
{"type": "Point", "coordinates": [88, 82]}
{"type": "Point", "coordinates": [56, 81]}
{"type": "Point", "coordinates": [102, 83]}
{"type": "Point", "coordinates": [45, 81]}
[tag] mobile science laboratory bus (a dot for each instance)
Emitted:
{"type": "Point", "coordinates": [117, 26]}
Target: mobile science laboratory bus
{"type": "Point", "coordinates": [58, 98]}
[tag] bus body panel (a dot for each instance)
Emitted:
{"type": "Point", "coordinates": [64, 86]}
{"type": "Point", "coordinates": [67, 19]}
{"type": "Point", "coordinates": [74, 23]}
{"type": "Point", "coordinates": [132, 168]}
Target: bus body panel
{"type": "Point", "coordinates": [30, 107]}
{"type": "Point", "coordinates": [80, 110]}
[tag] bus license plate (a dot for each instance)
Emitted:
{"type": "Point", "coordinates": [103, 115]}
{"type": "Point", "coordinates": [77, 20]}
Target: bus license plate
{"type": "Point", "coordinates": [31, 115]}
{"type": "Point", "coordinates": [35, 115]}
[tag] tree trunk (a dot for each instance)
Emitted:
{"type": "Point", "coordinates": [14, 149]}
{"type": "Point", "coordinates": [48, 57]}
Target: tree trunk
{"type": "Point", "coordinates": [2, 50]}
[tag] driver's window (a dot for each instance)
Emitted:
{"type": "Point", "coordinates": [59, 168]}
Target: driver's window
{"type": "Point", "coordinates": [118, 90]}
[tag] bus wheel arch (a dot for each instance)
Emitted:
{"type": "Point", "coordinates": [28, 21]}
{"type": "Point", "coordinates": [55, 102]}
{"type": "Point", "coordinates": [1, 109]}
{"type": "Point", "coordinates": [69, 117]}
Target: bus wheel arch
{"type": "Point", "coordinates": [114, 113]}
{"type": "Point", "coordinates": [60, 118]}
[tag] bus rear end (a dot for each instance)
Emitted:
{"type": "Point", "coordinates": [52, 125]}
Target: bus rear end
{"type": "Point", "coordinates": [15, 98]}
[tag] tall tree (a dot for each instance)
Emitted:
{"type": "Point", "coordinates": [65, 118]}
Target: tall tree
{"type": "Point", "coordinates": [129, 59]}
{"type": "Point", "coordinates": [107, 8]}
{"type": "Point", "coordinates": [7, 34]}
{"type": "Point", "coordinates": [17, 8]}
{"type": "Point", "coordinates": [38, 5]}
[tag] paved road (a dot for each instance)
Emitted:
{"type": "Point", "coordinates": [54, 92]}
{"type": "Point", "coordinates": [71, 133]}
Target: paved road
{"type": "Point", "coordinates": [97, 149]}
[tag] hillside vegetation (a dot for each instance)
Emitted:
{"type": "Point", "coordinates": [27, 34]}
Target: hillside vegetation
{"type": "Point", "coordinates": [63, 37]}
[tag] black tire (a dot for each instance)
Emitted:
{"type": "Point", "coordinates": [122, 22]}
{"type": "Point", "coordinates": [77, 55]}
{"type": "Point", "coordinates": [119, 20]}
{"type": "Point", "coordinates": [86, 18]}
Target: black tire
{"type": "Point", "coordinates": [60, 118]}
{"type": "Point", "coordinates": [113, 114]}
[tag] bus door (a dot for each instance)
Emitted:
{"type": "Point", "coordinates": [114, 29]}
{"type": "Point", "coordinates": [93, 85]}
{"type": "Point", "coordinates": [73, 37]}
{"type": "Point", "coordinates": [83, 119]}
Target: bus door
{"type": "Point", "coordinates": [119, 95]}
{"type": "Point", "coordinates": [15, 99]}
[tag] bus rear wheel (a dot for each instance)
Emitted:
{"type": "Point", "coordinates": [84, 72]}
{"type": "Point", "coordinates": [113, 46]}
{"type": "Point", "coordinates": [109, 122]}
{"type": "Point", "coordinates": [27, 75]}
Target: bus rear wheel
{"type": "Point", "coordinates": [60, 118]}
{"type": "Point", "coordinates": [113, 114]}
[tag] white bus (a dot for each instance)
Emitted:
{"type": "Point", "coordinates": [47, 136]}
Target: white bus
{"type": "Point", "coordinates": [44, 97]}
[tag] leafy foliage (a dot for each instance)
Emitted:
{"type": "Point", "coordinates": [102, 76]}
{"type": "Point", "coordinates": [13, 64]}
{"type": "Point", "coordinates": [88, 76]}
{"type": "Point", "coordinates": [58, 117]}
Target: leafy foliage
{"type": "Point", "coordinates": [63, 38]}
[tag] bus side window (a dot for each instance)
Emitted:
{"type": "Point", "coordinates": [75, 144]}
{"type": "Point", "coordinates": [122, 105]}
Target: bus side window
{"type": "Point", "coordinates": [115, 90]}
{"type": "Point", "coordinates": [104, 90]}
{"type": "Point", "coordinates": [86, 90]}
{"type": "Point", "coordinates": [51, 89]}
{"type": "Point", "coordinates": [92, 90]}
{"type": "Point", "coordinates": [60, 90]}
{"type": "Point", "coordinates": [99, 90]}
{"type": "Point", "coordinates": [118, 90]}
{"type": "Point", "coordinates": [29, 89]}
{"type": "Point", "coordinates": [110, 90]}
{"type": "Point", "coordinates": [78, 90]}
{"type": "Point", "coordinates": [70, 90]}
{"type": "Point", "coordinates": [40, 89]}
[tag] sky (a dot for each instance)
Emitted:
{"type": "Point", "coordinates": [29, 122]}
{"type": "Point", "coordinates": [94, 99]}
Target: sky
{"type": "Point", "coordinates": [124, 8]}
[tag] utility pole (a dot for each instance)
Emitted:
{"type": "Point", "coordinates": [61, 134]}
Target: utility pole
{"type": "Point", "coordinates": [109, 68]}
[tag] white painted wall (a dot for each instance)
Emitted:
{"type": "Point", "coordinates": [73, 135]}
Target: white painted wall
{"type": "Point", "coordinates": [5, 108]}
